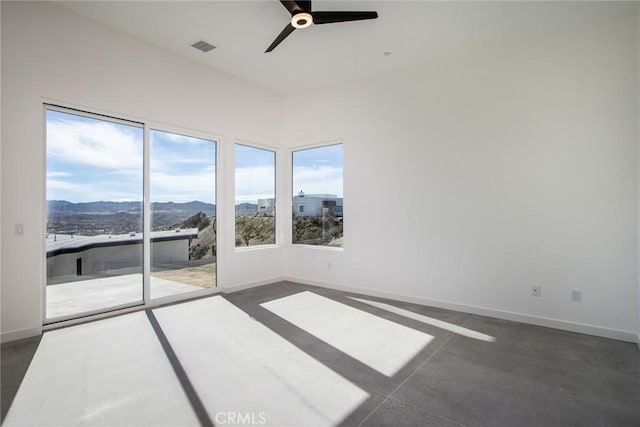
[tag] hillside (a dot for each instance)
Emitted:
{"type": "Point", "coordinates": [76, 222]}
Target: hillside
{"type": "Point", "coordinates": [102, 217]}
{"type": "Point", "coordinates": [205, 245]}
{"type": "Point", "coordinates": [246, 209]}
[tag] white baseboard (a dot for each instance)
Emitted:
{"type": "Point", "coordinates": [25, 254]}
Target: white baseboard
{"type": "Point", "coordinates": [20, 334]}
{"type": "Point", "coordinates": [599, 331]}
{"type": "Point", "coordinates": [249, 285]}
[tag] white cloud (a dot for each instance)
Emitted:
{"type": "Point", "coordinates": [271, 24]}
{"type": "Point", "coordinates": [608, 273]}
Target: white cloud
{"type": "Point", "coordinates": [322, 180]}
{"type": "Point", "coordinates": [253, 183]}
{"type": "Point", "coordinates": [58, 174]}
{"type": "Point", "coordinates": [181, 165]}
{"type": "Point", "coordinates": [186, 187]}
{"type": "Point", "coordinates": [177, 138]}
{"type": "Point", "coordinates": [101, 144]}
{"type": "Point", "coordinates": [91, 192]}
{"type": "Point", "coordinates": [56, 184]}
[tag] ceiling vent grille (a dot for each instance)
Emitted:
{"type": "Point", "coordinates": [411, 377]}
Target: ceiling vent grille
{"type": "Point", "coordinates": [203, 46]}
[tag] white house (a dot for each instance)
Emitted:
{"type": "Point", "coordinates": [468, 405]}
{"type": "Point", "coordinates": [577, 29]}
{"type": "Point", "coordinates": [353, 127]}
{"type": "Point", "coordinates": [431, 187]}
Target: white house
{"type": "Point", "coordinates": [266, 207]}
{"type": "Point", "coordinates": [306, 205]}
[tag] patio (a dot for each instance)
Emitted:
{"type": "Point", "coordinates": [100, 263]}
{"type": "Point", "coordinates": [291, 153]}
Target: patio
{"type": "Point", "coordinates": [70, 298]}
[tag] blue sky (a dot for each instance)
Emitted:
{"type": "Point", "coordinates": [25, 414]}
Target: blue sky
{"type": "Point", "coordinates": [183, 168]}
{"type": "Point", "coordinates": [318, 170]}
{"type": "Point", "coordinates": [255, 174]}
{"type": "Point", "coordinates": [90, 159]}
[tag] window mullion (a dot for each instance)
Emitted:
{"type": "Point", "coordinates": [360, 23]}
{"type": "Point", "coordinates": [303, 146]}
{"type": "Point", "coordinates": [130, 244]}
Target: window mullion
{"type": "Point", "coordinates": [146, 224]}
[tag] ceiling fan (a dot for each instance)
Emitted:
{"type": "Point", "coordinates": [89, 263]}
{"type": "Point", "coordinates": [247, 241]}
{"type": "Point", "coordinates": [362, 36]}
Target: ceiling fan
{"type": "Point", "coordinates": [302, 17]}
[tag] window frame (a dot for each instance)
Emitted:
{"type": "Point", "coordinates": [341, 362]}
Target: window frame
{"type": "Point", "coordinates": [292, 192]}
{"type": "Point", "coordinates": [277, 221]}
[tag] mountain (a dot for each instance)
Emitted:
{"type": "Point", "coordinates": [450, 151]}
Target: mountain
{"type": "Point", "coordinates": [63, 206]}
{"type": "Point", "coordinates": [191, 207]}
{"type": "Point", "coordinates": [246, 209]}
{"type": "Point", "coordinates": [106, 207]}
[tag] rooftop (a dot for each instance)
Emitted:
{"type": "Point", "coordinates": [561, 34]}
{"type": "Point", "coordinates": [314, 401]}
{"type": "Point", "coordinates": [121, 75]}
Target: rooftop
{"type": "Point", "coordinates": [58, 244]}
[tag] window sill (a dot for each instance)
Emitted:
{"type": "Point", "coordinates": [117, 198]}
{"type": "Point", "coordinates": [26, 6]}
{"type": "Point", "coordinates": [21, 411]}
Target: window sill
{"type": "Point", "coordinates": [318, 247]}
{"type": "Point", "coordinates": [256, 248]}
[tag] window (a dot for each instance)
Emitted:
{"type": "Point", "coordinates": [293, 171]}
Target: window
{"type": "Point", "coordinates": [255, 196]}
{"type": "Point", "coordinates": [183, 213]}
{"type": "Point", "coordinates": [318, 205]}
{"type": "Point", "coordinates": [94, 229]}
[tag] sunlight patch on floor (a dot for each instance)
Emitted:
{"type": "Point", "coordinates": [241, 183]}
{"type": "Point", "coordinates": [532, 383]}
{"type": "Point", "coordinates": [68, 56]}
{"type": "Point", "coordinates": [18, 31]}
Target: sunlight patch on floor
{"type": "Point", "coordinates": [111, 372]}
{"type": "Point", "coordinates": [470, 333]}
{"type": "Point", "coordinates": [242, 369]}
{"type": "Point", "coordinates": [378, 343]}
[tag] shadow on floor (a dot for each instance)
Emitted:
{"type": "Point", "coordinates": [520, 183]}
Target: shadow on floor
{"type": "Point", "coordinates": [16, 357]}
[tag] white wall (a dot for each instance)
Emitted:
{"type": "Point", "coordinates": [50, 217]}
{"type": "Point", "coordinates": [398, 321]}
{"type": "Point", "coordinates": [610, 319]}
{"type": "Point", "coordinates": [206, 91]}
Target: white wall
{"type": "Point", "coordinates": [504, 167]}
{"type": "Point", "coordinates": [49, 53]}
{"type": "Point", "coordinates": [638, 136]}
{"type": "Point", "coordinates": [1, 137]}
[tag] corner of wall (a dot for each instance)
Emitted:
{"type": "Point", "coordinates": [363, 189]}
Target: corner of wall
{"type": "Point", "coordinates": [638, 163]}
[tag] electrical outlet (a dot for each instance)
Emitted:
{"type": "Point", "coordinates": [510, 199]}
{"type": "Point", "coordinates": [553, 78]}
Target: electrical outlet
{"type": "Point", "coordinates": [329, 265]}
{"type": "Point", "coordinates": [19, 229]}
{"type": "Point", "coordinates": [576, 295]}
{"type": "Point", "coordinates": [535, 290]}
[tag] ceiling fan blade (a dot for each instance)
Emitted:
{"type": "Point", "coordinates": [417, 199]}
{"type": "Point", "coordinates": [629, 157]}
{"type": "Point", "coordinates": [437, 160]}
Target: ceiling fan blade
{"type": "Point", "coordinates": [283, 35]}
{"type": "Point", "coordinates": [331, 17]}
{"type": "Point", "coordinates": [296, 6]}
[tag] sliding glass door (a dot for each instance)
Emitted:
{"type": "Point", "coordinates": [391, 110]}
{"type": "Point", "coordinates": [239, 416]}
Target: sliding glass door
{"type": "Point", "coordinates": [106, 248]}
{"type": "Point", "coordinates": [183, 214]}
{"type": "Point", "coordinates": [94, 214]}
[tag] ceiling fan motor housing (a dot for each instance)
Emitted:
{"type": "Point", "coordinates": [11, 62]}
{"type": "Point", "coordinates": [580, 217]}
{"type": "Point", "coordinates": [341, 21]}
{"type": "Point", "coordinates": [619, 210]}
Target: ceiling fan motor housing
{"type": "Point", "coordinates": [301, 20]}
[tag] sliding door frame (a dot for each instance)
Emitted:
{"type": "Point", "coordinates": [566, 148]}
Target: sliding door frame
{"type": "Point", "coordinates": [146, 302]}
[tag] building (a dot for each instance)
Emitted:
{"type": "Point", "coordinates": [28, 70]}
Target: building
{"type": "Point", "coordinates": [266, 207]}
{"type": "Point", "coordinates": [307, 205]}
{"type": "Point", "coordinates": [91, 255]}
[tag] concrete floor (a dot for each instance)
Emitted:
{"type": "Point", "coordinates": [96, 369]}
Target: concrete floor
{"type": "Point", "coordinates": [82, 296]}
{"type": "Point", "coordinates": [278, 350]}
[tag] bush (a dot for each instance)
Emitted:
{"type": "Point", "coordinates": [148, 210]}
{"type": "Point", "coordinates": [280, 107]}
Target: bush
{"type": "Point", "coordinates": [254, 230]}
{"type": "Point", "coordinates": [198, 251]}
{"type": "Point", "coordinates": [316, 230]}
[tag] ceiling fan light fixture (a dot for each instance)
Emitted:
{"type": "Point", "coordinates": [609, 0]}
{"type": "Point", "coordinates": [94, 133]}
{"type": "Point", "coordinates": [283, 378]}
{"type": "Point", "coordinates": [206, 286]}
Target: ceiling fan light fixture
{"type": "Point", "coordinates": [302, 16]}
{"type": "Point", "coordinates": [301, 20]}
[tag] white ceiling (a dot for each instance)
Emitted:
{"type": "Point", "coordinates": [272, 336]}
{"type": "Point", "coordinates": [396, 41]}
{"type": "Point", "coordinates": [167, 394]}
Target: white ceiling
{"type": "Point", "coordinates": [413, 31]}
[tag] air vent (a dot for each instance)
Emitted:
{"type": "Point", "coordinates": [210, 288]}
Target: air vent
{"type": "Point", "coordinates": [203, 46]}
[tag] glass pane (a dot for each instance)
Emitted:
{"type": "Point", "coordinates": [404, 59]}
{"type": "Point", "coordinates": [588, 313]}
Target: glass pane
{"type": "Point", "coordinates": [317, 205]}
{"type": "Point", "coordinates": [183, 214]}
{"type": "Point", "coordinates": [255, 196]}
{"type": "Point", "coordinates": [94, 214]}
